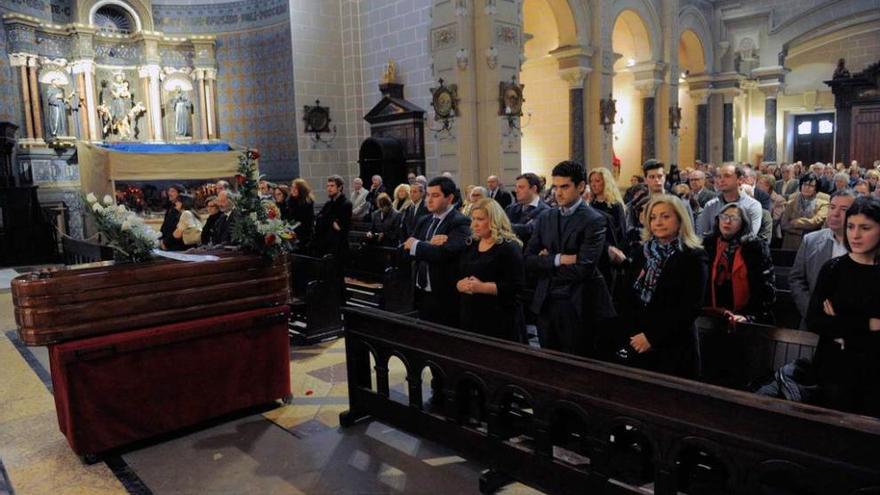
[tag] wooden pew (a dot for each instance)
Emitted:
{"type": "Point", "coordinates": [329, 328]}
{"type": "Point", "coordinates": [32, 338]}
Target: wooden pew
{"type": "Point", "coordinates": [783, 257]}
{"type": "Point", "coordinates": [77, 252]}
{"type": "Point", "coordinates": [316, 289]}
{"type": "Point", "coordinates": [744, 356]}
{"type": "Point", "coordinates": [379, 277]}
{"type": "Point", "coordinates": [571, 425]}
{"type": "Point", "coordinates": [785, 310]}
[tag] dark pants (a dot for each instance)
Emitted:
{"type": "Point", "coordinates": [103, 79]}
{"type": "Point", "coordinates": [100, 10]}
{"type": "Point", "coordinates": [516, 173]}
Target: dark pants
{"type": "Point", "coordinates": [560, 328]}
{"type": "Point", "coordinates": [434, 308]}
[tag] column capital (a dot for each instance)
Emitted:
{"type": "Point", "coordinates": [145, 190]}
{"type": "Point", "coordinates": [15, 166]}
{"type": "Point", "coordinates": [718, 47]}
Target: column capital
{"type": "Point", "coordinates": [575, 76]}
{"type": "Point", "coordinates": [151, 71]}
{"type": "Point", "coordinates": [699, 96]}
{"type": "Point", "coordinates": [83, 66]}
{"type": "Point", "coordinates": [211, 74]}
{"type": "Point", "coordinates": [19, 59]}
{"type": "Point", "coordinates": [33, 61]}
{"type": "Point", "coordinates": [648, 77]}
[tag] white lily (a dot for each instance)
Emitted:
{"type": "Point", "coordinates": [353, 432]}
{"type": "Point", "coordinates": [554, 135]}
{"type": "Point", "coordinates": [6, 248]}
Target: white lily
{"type": "Point", "coordinates": [126, 225]}
{"type": "Point", "coordinates": [108, 200]}
{"type": "Point", "coordinates": [91, 198]}
{"type": "Point", "coordinates": [97, 207]}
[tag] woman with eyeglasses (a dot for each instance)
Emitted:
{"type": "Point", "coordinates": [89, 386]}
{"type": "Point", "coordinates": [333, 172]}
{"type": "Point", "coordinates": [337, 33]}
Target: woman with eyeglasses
{"type": "Point", "coordinates": [210, 222]}
{"type": "Point", "coordinates": [805, 212]}
{"type": "Point", "coordinates": [742, 284]}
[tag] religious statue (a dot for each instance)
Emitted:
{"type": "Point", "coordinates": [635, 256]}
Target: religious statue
{"type": "Point", "coordinates": [119, 115]}
{"type": "Point", "coordinates": [183, 109]}
{"type": "Point", "coordinates": [58, 105]}
{"type": "Point", "coordinates": [674, 119]}
{"type": "Point", "coordinates": [390, 74]}
{"type": "Point", "coordinates": [607, 112]}
{"type": "Point", "coordinates": [841, 70]}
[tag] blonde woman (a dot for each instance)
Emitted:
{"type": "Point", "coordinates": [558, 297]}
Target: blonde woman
{"type": "Point", "coordinates": [670, 276]}
{"type": "Point", "coordinates": [402, 200]}
{"type": "Point", "coordinates": [607, 199]}
{"type": "Point", "coordinates": [492, 275]}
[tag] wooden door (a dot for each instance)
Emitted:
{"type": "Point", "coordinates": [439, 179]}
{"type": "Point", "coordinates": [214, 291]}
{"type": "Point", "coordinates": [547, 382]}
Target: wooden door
{"type": "Point", "coordinates": [814, 138]}
{"type": "Point", "coordinates": [865, 132]}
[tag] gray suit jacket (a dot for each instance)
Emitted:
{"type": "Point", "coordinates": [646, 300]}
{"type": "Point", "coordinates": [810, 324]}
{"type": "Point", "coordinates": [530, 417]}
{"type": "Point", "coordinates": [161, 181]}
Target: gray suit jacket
{"type": "Point", "coordinates": [815, 250]}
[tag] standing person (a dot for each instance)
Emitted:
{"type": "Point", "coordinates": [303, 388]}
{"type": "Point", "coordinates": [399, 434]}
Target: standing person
{"type": "Point", "coordinates": [571, 296]}
{"type": "Point", "coordinates": [384, 223]}
{"type": "Point", "coordinates": [655, 178]}
{"type": "Point", "coordinates": [436, 243]}
{"type": "Point", "coordinates": [376, 188]}
{"type": "Point", "coordinates": [359, 206]}
{"type": "Point", "coordinates": [172, 218]}
{"type": "Point", "coordinates": [728, 182]}
{"type": "Point", "coordinates": [302, 210]}
{"type": "Point", "coordinates": [667, 295]}
{"type": "Point", "coordinates": [402, 197]}
{"type": "Point", "coordinates": [817, 248]}
{"type": "Point", "coordinates": [607, 199]}
{"type": "Point", "coordinates": [528, 206]}
{"type": "Point", "coordinates": [492, 276]}
{"type": "Point", "coordinates": [281, 193]}
{"type": "Point", "coordinates": [845, 312]}
{"type": "Point", "coordinates": [805, 212]}
{"type": "Point", "coordinates": [333, 223]}
{"type": "Point", "coordinates": [496, 191]}
{"type": "Point", "coordinates": [697, 181]}
{"type": "Point", "coordinates": [741, 279]}
{"type": "Point", "coordinates": [415, 211]}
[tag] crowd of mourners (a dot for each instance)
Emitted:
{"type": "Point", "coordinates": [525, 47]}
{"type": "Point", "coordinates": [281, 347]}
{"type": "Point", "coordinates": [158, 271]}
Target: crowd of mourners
{"type": "Point", "coordinates": [611, 274]}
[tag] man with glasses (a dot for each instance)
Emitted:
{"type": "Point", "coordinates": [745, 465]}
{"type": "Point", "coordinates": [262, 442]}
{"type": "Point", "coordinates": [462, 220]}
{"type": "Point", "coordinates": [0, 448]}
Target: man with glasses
{"type": "Point", "coordinates": [727, 181]}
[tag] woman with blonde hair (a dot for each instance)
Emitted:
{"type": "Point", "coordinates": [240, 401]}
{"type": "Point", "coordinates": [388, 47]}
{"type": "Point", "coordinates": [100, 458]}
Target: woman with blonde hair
{"type": "Point", "coordinates": [402, 200]}
{"type": "Point", "coordinates": [475, 194]}
{"type": "Point", "coordinates": [492, 275]}
{"type": "Point", "coordinates": [302, 209]}
{"type": "Point", "coordinates": [669, 273]}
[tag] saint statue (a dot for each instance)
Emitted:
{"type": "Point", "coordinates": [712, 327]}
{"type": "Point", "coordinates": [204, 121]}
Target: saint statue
{"type": "Point", "coordinates": [119, 114]}
{"type": "Point", "coordinates": [58, 104]}
{"type": "Point", "coordinates": [390, 74]}
{"type": "Point", "coordinates": [120, 97]}
{"type": "Point", "coordinates": [183, 109]}
{"type": "Point", "coordinates": [841, 70]}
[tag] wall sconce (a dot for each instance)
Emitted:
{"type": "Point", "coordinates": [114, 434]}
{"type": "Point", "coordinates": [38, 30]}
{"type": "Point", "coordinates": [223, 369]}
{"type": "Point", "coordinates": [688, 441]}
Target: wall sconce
{"type": "Point", "coordinates": [491, 57]}
{"type": "Point", "coordinates": [461, 58]}
{"type": "Point", "coordinates": [674, 119]}
{"type": "Point", "coordinates": [444, 99]}
{"type": "Point", "coordinates": [317, 120]}
{"type": "Point", "coordinates": [511, 101]}
{"type": "Point", "coordinates": [607, 112]}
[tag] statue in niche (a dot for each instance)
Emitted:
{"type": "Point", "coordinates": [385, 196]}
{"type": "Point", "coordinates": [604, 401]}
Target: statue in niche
{"type": "Point", "coordinates": [58, 105]}
{"type": "Point", "coordinates": [390, 74]}
{"type": "Point", "coordinates": [183, 109]}
{"type": "Point", "coordinates": [841, 70]}
{"type": "Point", "coordinates": [119, 114]}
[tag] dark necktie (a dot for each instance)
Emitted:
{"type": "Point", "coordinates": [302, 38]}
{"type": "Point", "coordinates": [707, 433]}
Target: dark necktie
{"type": "Point", "coordinates": [422, 273]}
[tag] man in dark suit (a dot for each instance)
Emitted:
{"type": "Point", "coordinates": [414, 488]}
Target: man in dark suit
{"type": "Point", "coordinates": [222, 233]}
{"type": "Point", "coordinates": [376, 188]}
{"type": "Point", "coordinates": [497, 192]}
{"type": "Point", "coordinates": [697, 182]}
{"type": "Point", "coordinates": [438, 241]}
{"type": "Point", "coordinates": [528, 206]}
{"type": "Point", "coordinates": [333, 223]}
{"type": "Point", "coordinates": [169, 224]}
{"type": "Point", "coordinates": [571, 296]}
{"type": "Point", "coordinates": [412, 213]}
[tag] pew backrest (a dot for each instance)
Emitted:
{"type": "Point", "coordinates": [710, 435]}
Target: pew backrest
{"type": "Point", "coordinates": [77, 252]}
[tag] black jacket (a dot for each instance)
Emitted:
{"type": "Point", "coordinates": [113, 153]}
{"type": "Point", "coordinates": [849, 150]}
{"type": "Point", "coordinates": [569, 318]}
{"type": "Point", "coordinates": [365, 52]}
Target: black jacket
{"type": "Point", "coordinates": [387, 226]}
{"type": "Point", "coordinates": [443, 260]}
{"type": "Point", "coordinates": [222, 233]}
{"type": "Point", "coordinates": [304, 213]}
{"type": "Point", "coordinates": [584, 235]}
{"type": "Point", "coordinates": [409, 217]}
{"type": "Point", "coordinates": [209, 227]}
{"type": "Point", "coordinates": [328, 240]}
{"type": "Point", "coordinates": [761, 276]}
{"type": "Point", "coordinates": [522, 218]}
{"type": "Point", "coordinates": [503, 197]}
{"type": "Point", "coordinates": [169, 225]}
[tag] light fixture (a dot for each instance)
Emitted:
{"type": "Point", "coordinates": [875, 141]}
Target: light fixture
{"type": "Point", "coordinates": [630, 62]}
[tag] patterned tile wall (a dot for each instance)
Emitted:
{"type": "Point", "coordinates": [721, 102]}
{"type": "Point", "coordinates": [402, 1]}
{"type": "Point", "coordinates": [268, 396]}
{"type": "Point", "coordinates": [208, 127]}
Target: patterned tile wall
{"type": "Point", "coordinates": [9, 107]}
{"type": "Point", "coordinates": [255, 96]}
{"type": "Point", "coordinates": [56, 11]}
{"type": "Point", "coordinates": [218, 17]}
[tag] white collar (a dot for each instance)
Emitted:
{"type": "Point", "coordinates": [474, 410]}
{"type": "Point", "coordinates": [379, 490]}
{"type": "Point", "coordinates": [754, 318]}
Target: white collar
{"type": "Point", "coordinates": [535, 202]}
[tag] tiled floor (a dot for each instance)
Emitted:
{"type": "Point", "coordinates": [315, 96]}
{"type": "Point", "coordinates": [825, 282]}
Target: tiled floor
{"type": "Point", "coordinates": [287, 450]}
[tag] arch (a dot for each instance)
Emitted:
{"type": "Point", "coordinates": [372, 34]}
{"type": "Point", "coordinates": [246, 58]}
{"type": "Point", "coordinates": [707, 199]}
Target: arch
{"type": "Point", "coordinates": [696, 452]}
{"type": "Point", "coordinates": [395, 390]}
{"type": "Point", "coordinates": [774, 475]}
{"type": "Point", "coordinates": [569, 432]}
{"type": "Point", "coordinates": [471, 396]}
{"type": "Point", "coordinates": [436, 401]}
{"type": "Point", "coordinates": [814, 22]}
{"type": "Point", "coordinates": [633, 453]}
{"type": "Point", "coordinates": [645, 12]}
{"type": "Point", "coordinates": [515, 415]}
{"type": "Point", "coordinates": [178, 80]}
{"type": "Point", "coordinates": [692, 19]}
{"type": "Point", "coordinates": [142, 16]}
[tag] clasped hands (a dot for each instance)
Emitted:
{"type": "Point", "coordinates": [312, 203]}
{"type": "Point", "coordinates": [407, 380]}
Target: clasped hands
{"type": "Point", "coordinates": [468, 285]}
{"type": "Point", "coordinates": [873, 323]}
{"type": "Point", "coordinates": [437, 240]}
{"type": "Point", "coordinates": [564, 259]}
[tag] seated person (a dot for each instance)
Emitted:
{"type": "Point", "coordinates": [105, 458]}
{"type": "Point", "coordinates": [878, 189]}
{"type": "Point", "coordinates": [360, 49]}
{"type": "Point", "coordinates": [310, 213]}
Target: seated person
{"type": "Point", "coordinates": [742, 285]}
{"type": "Point", "coordinates": [211, 221]}
{"type": "Point", "coordinates": [384, 222]}
{"type": "Point", "coordinates": [189, 229]}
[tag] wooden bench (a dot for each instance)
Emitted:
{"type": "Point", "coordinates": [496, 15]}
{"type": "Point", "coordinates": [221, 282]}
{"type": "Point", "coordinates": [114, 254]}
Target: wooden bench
{"type": "Point", "coordinates": [745, 355]}
{"type": "Point", "coordinates": [783, 257]}
{"type": "Point", "coordinates": [316, 289]}
{"type": "Point", "coordinates": [379, 277]}
{"type": "Point", "coordinates": [78, 252]}
{"type": "Point", "coordinates": [565, 424]}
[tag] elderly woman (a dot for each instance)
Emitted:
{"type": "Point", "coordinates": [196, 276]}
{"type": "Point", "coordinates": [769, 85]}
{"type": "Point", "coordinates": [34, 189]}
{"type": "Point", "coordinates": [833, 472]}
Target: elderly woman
{"type": "Point", "coordinates": [805, 212]}
{"type": "Point", "coordinates": [401, 198]}
{"type": "Point", "coordinates": [492, 275]}
{"type": "Point", "coordinates": [667, 295]}
{"type": "Point", "coordinates": [384, 222]}
{"type": "Point", "coordinates": [476, 193]}
{"type": "Point", "coordinates": [741, 279]}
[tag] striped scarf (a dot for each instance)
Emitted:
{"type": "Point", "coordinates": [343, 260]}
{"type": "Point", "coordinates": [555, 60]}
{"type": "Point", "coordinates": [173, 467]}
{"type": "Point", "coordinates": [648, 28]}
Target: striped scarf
{"type": "Point", "coordinates": [656, 255]}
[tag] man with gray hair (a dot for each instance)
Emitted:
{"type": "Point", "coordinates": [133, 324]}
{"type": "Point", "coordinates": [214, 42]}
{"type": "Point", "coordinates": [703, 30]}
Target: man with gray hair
{"type": "Point", "coordinates": [415, 211]}
{"type": "Point", "coordinates": [359, 205]}
{"type": "Point", "coordinates": [496, 191]}
{"type": "Point", "coordinates": [697, 181]}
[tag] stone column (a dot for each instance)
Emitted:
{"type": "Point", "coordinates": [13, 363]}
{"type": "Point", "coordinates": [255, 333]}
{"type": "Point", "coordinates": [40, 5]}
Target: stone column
{"type": "Point", "coordinates": [648, 78]}
{"type": "Point", "coordinates": [153, 99]}
{"type": "Point", "coordinates": [83, 110]}
{"type": "Point", "coordinates": [770, 82]}
{"type": "Point", "coordinates": [36, 107]}
{"type": "Point", "coordinates": [702, 139]}
{"type": "Point", "coordinates": [20, 61]}
{"type": "Point", "coordinates": [203, 112]}
{"type": "Point", "coordinates": [210, 104]}
{"type": "Point", "coordinates": [727, 129]}
{"type": "Point", "coordinates": [86, 68]}
{"type": "Point", "coordinates": [576, 77]}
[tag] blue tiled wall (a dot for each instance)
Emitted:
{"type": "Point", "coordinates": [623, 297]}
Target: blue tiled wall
{"type": "Point", "coordinates": [9, 107]}
{"type": "Point", "coordinates": [219, 17]}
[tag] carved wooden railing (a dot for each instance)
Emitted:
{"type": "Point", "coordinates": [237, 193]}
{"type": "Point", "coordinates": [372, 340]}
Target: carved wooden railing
{"type": "Point", "coordinates": [566, 424]}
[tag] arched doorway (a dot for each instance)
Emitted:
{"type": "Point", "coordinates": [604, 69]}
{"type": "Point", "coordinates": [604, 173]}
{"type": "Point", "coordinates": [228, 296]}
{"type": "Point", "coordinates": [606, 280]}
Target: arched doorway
{"type": "Point", "coordinates": [631, 41]}
{"type": "Point", "coordinates": [546, 141]}
{"type": "Point", "coordinates": [691, 61]}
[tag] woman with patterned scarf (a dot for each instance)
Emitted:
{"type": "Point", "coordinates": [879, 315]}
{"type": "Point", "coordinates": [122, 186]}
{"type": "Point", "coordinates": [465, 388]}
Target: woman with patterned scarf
{"type": "Point", "coordinates": [804, 212]}
{"type": "Point", "coordinates": [669, 276]}
{"type": "Point", "coordinates": [742, 285]}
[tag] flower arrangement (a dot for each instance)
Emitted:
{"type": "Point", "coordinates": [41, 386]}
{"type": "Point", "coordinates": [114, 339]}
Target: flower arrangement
{"type": "Point", "coordinates": [125, 232]}
{"type": "Point", "coordinates": [258, 227]}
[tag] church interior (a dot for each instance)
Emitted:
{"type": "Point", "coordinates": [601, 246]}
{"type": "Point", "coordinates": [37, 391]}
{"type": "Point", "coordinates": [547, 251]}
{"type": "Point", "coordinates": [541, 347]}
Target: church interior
{"type": "Point", "coordinates": [313, 368]}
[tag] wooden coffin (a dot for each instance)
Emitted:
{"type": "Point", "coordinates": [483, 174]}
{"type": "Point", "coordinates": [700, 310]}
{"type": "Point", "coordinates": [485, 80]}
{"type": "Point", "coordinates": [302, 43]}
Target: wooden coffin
{"type": "Point", "coordinates": [70, 304]}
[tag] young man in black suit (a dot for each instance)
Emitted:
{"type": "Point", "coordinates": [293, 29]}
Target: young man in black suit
{"type": "Point", "coordinates": [528, 206]}
{"type": "Point", "coordinates": [571, 296]}
{"type": "Point", "coordinates": [436, 245]}
{"type": "Point", "coordinates": [333, 222]}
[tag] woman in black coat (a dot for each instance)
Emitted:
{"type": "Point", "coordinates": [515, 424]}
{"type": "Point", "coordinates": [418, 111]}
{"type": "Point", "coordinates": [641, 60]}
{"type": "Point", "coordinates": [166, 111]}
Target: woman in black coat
{"type": "Point", "coordinates": [492, 276]}
{"type": "Point", "coordinates": [742, 284]}
{"type": "Point", "coordinates": [669, 280]}
{"type": "Point", "coordinates": [301, 208]}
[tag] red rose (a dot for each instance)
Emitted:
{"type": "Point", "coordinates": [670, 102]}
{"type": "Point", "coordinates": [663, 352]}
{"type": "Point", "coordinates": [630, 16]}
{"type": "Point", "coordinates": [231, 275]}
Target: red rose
{"type": "Point", "coordinates": [240, 179]}
{"type": "Point", "coordinates": [270, 239]}
{"type": "Point", "coordinates": [255, 154]}
{"type": "Point", "coordinates": [271, 214]}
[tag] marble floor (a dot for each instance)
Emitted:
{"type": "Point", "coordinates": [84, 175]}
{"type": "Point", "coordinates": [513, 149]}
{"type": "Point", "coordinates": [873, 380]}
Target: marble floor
{"type": "Point", "coordinates": [292, 449]}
